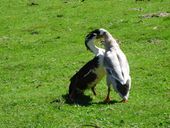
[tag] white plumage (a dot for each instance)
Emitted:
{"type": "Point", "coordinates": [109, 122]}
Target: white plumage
{"type": "Point", "coordinates": [111, 61]}
{"type": "Point", "coordinates": [116, 65]}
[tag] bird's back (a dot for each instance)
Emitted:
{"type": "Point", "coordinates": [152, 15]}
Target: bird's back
{"type": "Point", "coordinates": [86, 69]}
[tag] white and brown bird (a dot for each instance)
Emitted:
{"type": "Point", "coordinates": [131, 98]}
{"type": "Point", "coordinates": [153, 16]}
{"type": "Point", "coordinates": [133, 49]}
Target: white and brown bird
{"type": "Point", "coordinates": [91, 73]}
{"type": "Point", "coordinates": [116, 66]}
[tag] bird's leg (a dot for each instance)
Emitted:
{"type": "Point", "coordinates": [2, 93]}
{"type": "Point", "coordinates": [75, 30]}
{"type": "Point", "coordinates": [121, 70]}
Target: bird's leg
{"type": "Point", "coordinates": [93, 90]}
{"type": "Point", "coordinates": [107, 99]}
{"type": "Point", "coordinates": [124, 101]}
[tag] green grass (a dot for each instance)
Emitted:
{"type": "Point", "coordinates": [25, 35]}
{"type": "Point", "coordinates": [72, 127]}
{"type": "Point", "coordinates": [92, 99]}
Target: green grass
{"type": "Point", "coordinates": [42, 46]}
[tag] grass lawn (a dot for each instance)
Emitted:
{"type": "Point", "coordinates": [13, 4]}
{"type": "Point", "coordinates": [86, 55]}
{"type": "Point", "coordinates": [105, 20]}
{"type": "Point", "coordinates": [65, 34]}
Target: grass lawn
{"type": "Point", "coordinates": [42, 46]}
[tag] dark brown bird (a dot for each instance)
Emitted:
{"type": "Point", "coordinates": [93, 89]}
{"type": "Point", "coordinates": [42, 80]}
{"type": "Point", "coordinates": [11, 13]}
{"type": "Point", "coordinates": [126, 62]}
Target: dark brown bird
{"type": "Point", "coordinates": [91, 73]}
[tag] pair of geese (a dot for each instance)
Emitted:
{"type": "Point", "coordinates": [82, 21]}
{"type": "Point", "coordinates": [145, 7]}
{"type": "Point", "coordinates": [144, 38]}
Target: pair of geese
{"type": "Point", "coordinates": [110, 61]}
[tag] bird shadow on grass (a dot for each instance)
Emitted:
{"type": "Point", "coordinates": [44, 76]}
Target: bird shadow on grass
{"type": "Point", "coordinates": [82, 100]}
{"type": "Point", "coordinates": [111, 102]}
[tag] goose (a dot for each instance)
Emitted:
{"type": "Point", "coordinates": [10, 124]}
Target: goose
{"type": "Point", "coordinates": [91, 73]}
{"type": "Point", "coordinates": [116, 66]}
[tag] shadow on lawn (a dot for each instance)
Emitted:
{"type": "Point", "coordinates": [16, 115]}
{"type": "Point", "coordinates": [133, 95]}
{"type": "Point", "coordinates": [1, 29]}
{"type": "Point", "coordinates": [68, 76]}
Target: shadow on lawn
{"type": "Point", "coordinates": [111, 102]}
{"type": "Point", "coordinates": [82, 100]}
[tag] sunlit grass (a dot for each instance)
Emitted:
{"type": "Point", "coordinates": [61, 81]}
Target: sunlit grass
{"type": "Point", "coordinates": [42, 46]}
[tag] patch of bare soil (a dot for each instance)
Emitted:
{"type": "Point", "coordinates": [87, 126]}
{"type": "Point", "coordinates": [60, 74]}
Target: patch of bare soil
{"type": "Point", "coordinates": [154, 41]}
{"type": "Point", "coordinates": [159, 14]}
{"type": "Point", "coordinates": [136, 9]}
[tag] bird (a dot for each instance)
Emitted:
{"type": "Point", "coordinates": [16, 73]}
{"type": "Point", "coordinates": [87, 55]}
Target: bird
{"type": "Point", "coordinates": [116, 66]}
{"type": "Point", "coordinates": [91, 73]}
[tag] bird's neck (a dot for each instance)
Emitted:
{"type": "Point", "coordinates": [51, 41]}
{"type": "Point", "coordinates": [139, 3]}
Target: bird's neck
{"type": "Point", "coordinates": [93, 48]}
{"type": "Point", "coordinates": [110, 42]}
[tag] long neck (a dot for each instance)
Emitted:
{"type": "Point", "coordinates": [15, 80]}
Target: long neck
{"type": "Point", "coordinates": [110, 42]}
{"type": "Point", "coordinates": [93, 48]}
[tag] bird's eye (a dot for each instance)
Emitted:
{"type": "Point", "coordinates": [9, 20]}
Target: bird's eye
{"type": "Point", "coordinates": [94, 34]}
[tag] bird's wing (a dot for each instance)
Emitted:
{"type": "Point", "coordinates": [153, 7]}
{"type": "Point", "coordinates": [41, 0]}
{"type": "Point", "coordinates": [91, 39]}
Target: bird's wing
{"type": "Point", "coordinates": [113, 66]}
{"type": "Point", "coordinates": [123, 64]}
{"type": "Point", "coordinates": [86, 69]}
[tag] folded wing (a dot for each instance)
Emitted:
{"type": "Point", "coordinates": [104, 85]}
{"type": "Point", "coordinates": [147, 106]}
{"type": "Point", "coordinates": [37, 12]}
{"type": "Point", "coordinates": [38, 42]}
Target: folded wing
{"type": "Point", "coordinates": [116, 66]}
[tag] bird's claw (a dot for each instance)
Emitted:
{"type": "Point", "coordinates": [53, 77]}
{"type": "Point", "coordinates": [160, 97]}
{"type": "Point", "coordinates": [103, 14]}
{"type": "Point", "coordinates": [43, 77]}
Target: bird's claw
{"type": "Point", "coordinates": [124, 101]}
{"type": "Point", "coordinates": [107, 100]}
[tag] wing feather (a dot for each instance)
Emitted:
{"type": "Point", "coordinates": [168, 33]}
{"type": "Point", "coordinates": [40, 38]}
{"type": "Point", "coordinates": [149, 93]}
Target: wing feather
{"type": "Point", "coordinates": [123, 64]}
{"type": "Point", "coordinates": [113, 66]}
{"type": "Point", "coordinates": [86, 69]}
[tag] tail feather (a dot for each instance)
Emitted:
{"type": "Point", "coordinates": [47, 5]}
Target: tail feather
{"type": "Point", "coordinates": [123, 89]}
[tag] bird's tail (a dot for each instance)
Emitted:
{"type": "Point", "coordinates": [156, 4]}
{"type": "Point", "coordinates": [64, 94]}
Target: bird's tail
{"type": "Point", "coordinates": [123, 89]}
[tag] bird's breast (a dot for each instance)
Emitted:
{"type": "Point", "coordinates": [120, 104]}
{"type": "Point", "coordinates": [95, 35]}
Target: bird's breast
{"type": "Point", "coordinates": [100, 73]}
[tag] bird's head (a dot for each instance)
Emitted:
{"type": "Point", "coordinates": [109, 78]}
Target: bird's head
{"type": "Point", "coordinates": [102, 32]}
{"type": "Point", "coordinates": [98, 33]}
{"type": "Point", "coordinates": [90, 37]}
{"type": "Point", "coordinates": [95, 34]}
